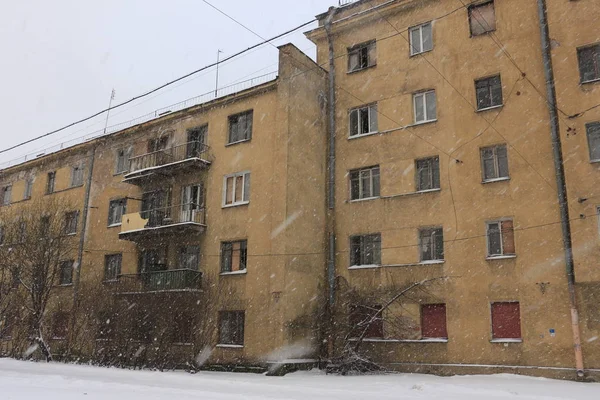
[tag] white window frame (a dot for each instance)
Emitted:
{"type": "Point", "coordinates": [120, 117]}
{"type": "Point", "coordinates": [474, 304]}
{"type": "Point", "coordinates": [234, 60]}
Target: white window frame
{"type": "Point", "coordinates": [123, 207]}
{"type": "Point", "coordinates": [372, 114]}
{"type": "Point", "coordinates": [422, 97]}
{"type": "Point", "coordinates": [419, 28]}
{"type": "Point", "coordinates": [246, 176]}
{"type": "Point", "coordinates": [434, 244]}
{"type": "Point", "coordinates": [487, 238]}
{"type": "Point", "coordinates": [361, 189]}
{"type": "Point", "coordinates": [590, 129]}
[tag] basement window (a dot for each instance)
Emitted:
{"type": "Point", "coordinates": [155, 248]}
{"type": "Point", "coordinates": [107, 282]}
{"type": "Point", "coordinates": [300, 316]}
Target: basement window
{"type": "Point", "coordinates": [589, 63]}
{"type": "Point", "coordinates": [506, 320]}
{"type": "Point", "coordinates": [231, 328]}
{"type": "Point", "coordinates": [593, 135]}
{"type": "Point", "coordinates": [482, 18]}
{"type": "Point", "coordinates": [433, 321]}
{"type": "Point", "coordinates": [364, 318]}
{"type": "Point", "coordinates": [362, 56]}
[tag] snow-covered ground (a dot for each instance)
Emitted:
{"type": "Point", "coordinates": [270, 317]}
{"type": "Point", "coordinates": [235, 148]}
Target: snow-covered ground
{"type": "Point", "coordinates": [28, 381]}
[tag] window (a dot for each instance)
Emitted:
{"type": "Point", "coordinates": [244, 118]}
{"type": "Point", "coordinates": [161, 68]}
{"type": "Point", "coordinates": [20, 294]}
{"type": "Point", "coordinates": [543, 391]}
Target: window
{"type": "Point", "coordinates": [360, 316]}
{"type": "Point", "coordinates": [189, 257]}
{"type": "Point", "coordinates": [77, 175]}
{"type": "Point", "coordinates": [122, 164]}
{"type": "Point", "coordinates": [593, 135]}
{"type": "Point", "coordinates": [494, 163]}
{"type": "Point", "coordinates": [431, 244]}
{"type": "Point", "coordinates": [71, 222]}
{"type": "Point", "coordinates": [425, 107]}
{"type": "Point", "coordinates": [363, 120]}
{"type": "Point", "coordinates": [196, 141]}
{"type": "Point", "coordinates": [112, 266]}
{"type": "Point", "coordinates": [500, 238]}
{"type": "Point", "coordinates": [158, 144]}
{"type": "Point", "coordinates": [234, 256]}
{"type": "Point", "coordinates": [28, 188]}
{"type": "Point", "coordinates": [6, 194]}
{"type": "Point", "coordinates": [365, 250]}
{"type": "Point", "coordinates": [421, 39]}
{"type": "Point", "coordinates": [50, 182]}
{"type": "Point", "coordinates": [589, 63]}
{"type": "Point", "coordinates": [362, 56]}
{"type": "Point", "coordinates": [482, 18]}
{"type": "Point", "coordinates": [364, 183]}
{"type": "Point", "coordinates": [1, 235]}
{"type": "Point", "coordinates": [236, 189]}
{"type": "Point", "coordinates": [65, 273]}
{"type": "Point", "coordinates": [428, 174]}
{"type": "Point", "coordinates": [60, 325]}
{"type": "Point", "coordinates": [231, 328]}
{"type": "Point", "coordinates": [192, 203]}
{"type": "Point", "coordinates": [116, 210]}
{"type": "Point", "coordinates": [433, 321]}
{"type": "Point", "coordinates": [489, 92]}
{"type": "Point", "coordinates": [240, 127]}
{"type": "Point", "coordinates": [506, 320]}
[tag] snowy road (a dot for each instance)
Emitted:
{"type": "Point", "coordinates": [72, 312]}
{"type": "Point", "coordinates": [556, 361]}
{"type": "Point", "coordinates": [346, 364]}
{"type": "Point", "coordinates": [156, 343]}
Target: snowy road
{"type": "Point", "coordinates": [28, 381]}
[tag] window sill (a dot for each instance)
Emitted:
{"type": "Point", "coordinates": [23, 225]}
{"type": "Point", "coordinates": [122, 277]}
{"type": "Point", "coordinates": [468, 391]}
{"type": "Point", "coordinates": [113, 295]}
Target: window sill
{"type": "Point", "coordinates": [361, 69]}
{"type": "Point", "coordinates": [412, 193]}
{"type": "Point", "coordinates": [420, 53]}
{"type": "Point", "coordinates": [430, 121]}
{"type": "Point", "coordinates": [71, 234]}
{"type": "Point", "coordinates": [114, 225]}
{"type": "Point", "coordinates": [361, 135]}
{"type": "Point", "coordinates": [244, 272]}
{"type": "Point", "coordinates": [369, 266]}
{"type": "Point", "coordinates": [595, 161]}
{"type": "Point", "coordinates": [507, 257]}
{"type": "Point", "coordinates": [590, 81]}
{"type": "Point", "coordinates": [230, 346]}
{"type": "Point", "coordinates": [496, 180]}
{"type": "Point", "coordinates": [361, 200]}
{"type": "Point", "coordinates": [238, 142]}
{"type": "Point", "coordinates": [506, 341]}
{"type": "Point", "coordinates": [235, 204]}
{"type": "Point", "coordinates": [486, 33]}
{"type": "Point", "coordinates": [489, 108]}
{"type": "Point", "coordinates": [66, 285]}
{"type": "Point", "coordinates": [418, 264]}
{"type": "Point", "coordinates": [75, 186]}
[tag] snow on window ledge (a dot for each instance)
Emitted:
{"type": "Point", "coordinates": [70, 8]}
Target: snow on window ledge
{"type": "Point", "coordinates": [364, 199]}
{"type": "Point", "coordinates": [506, 341]}
{"type": "Point", "coordinates": [230, 346]}
{"type": "Point", "coordinates": [240, 203]}
{"type": "Point", "coordinates": [489, 108]}
{"type": "Point", "coordinates": [504, 257]}
{"type": "Point", "coordinates": [503, 179]}
{"type": "Point", "coordinates": [242, 272]}
{"type": "Point", "coordinates": [425, 340]}
{"type": "Point", "coordinates": [360, 135]}
{"type": "Point", "coordinates": [366, 266]}
{"type": "Point", "coordinates": [417, 264]}
{"type": "Point", "coordinates": [427, 121]}
{"type": "Point", "coordinates": [114, 225]}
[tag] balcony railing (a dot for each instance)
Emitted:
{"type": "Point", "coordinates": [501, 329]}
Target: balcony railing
{"type": "Point", "coordinates": [160, 281]}
{"type": "Point", "coordinates": [194, 150]}
{"type": "Point", "coordinates": [178, 218]}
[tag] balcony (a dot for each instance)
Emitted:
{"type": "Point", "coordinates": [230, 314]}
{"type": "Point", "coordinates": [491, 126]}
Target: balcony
{"type": "Point", "coordinates": [179, 280]}
{"type": "Point", "coordinates": [191, 156]}
{"type": "Point", "coordinates": [179, 220]}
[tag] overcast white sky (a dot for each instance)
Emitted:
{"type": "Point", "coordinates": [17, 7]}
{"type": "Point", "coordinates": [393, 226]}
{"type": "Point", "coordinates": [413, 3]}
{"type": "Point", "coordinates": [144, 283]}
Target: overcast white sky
{"type": "Point", "coordinates": [61, 58]}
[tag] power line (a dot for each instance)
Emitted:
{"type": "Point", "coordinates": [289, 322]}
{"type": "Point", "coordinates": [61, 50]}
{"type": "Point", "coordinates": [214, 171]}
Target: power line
{"type": "Point", "coordinates": [266, 41]}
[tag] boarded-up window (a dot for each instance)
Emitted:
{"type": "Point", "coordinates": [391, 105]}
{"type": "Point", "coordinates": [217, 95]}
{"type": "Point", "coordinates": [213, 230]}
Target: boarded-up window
{"type": "Point", "coordinates": [500, 236]}
{"type": "Point", "coordinates": [362, 56]}
{"type": "Point", "coordinates": [433, 321]}
{"type": "Point", "coordinates": [482, 18]}
{"type": "Point", "coordinates": [593, 135]}
{"type": "Point", "coordinates": [506, 320]}
{"type": "Point", "coordinates": [363, 318]}
{"type": "Point", "coordinates": [589, 63]}
{"type": "Point", "coordinates": [231, 327]}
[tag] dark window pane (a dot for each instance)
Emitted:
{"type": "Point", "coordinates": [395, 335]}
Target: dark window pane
{"type": "Point", "coordinates": [364, 120]}
{"type": "Point", "coordinates": [415, 41]}
{"type": "Point", "coordinates": [589, 63]}
{"type": "Point", "coordinates": [494, 241]}
{"type": "Point", "coordinates": [354, 123]}
{"type": "Point", "coordinates": [593, 133]}
{"type": "Point", "coordinates": [354, 185]}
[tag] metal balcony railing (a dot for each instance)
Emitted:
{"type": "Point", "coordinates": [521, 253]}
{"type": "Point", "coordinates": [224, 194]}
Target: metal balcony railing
{"type": "Point", "coordinates": [171, 155]}
{"type": "Point", "coordinates": [185, 213]}
{"type": "Point", "coordinates": [160, 281]}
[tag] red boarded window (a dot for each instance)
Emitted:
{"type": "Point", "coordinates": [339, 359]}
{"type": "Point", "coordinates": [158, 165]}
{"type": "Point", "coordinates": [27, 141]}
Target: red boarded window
{"type": "Point", "coordinates": [360, 316]}
{"type": "Point", "coordinates": [506, 320]}
{"type": "Point", "coordinates": [433, 321]}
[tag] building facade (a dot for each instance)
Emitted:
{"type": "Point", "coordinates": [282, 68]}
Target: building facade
{"type": "Point", "coordinates": [417, 148]}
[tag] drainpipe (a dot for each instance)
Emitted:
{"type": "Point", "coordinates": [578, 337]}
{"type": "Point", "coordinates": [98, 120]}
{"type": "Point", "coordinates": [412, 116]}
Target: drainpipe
{"type": "Point", "coordinates": [331, 182]}
{"type": "Point", "coordinates": [77, 269]}
{"type": "Point", "coordinates": [560, 182]}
